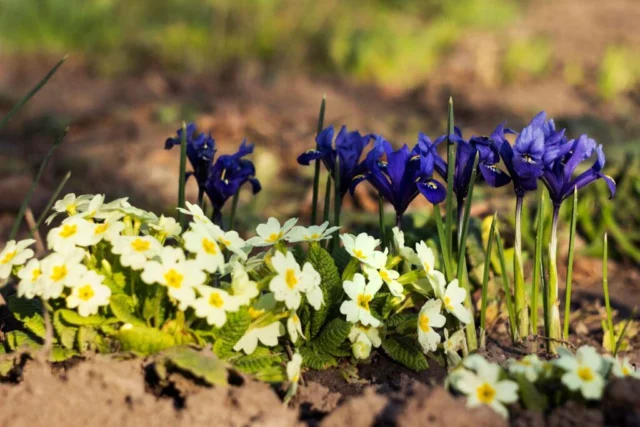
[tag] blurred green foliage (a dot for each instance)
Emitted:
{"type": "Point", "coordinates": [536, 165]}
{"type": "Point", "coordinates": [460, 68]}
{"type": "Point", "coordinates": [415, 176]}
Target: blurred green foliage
{"type": "Point", "coordinates": [619, 71]}
{"type": "Point", "coordinates": [529, 57]}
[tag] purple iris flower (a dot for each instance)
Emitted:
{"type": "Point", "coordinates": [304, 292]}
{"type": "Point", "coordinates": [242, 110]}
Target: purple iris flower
{"type": "Point", "coordinates": [348, 148]}
{"type": "Point", "coordinates": [228, 174]}
{"type": "Point", "coordinates": [402, 176]}
{"type": "Point", "coordinates": [558, 175]}
{"type": "Point", "coordinates": [200, 151]}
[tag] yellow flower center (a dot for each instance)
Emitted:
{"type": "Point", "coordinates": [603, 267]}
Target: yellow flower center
{"type": "Point", "coordinates": [447, 303]}
{"type": "Point", "coordinates": [59, 273]}
{"type": "Point", "coordinates": [216, 300]}
{"type": "Point", "coordinates": [224, 242]}
{"type": "Point", "coordinates": [315, 236]}
{"type": "Point", "coordinates": [173, 279]}
{"type": "Point", "coordinates": [255, 313]}
{"type": "Point", "coordinates": [427, 267]}
{"type": "Point", "coordinates": [274, 237]}
{"type": "Point", "coordinates": [385, 275]}
{"type": "Point", "coordinates": [101, 228]}
{"type": "Point", "coordinates": [524, 362]}
{"type": "Point", "coordinates": [626, 371]}
{"type": "Point", "coordinates": [35, 274]}
{"type": "Point", "coordinates": [423, 323]}
{"type": "Point", "coordinates": [295, 319]}
{"type": "Point", "coordinates": [86, 292]}
{"type": "Point", "coordinates": [140, 245]}
{"type": "Point", "coordinates": [486, 393]}
{"type": "Point", "coordinates": [209, 246]}
{"type": "Point", "coordinates": [290, 278]}
{"type": "Point", "coordinates": [586, 374]}
{"type": "Point", "coordinates": [8, 257]}
{"type": "Point", "coordinates": [359, 254]}
{"type": "Point", "coordinates": [363, 301]}
{"type": "Point", "coordinates": [295, 378]}
{"type": "Point", "coordinates": [71, 209]}
{"type": "Point", "coordinates": [68, 230]}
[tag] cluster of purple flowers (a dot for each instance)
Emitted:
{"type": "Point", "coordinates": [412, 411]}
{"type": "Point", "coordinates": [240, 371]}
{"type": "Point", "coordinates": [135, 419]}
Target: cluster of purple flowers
{"type": "Point", "coordinates": [221, 179]}
{"type": "Point", "coordinates": [539, 153]}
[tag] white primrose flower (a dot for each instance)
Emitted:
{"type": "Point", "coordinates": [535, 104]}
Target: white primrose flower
{"type": "Point", "coordinates": [165, 227]}
{"type": "Point", "coordinates": [113, 207]}
{"type": "Point", "coordinates": [621, 368]}
{"type": "Point", "coordinates": [242, 288]}
{"type": "Point", "coordinates": [59, 270]}
{"type": "Point", "coordinates": [135, 251]}
{"type": "Point", "coordinates": [452, 345]}
{"type": "Point", "coordinates": [232, 241]}
{"type": "Point", "coordinates": [88, 294]}
{"type": "Point", "coordinates": [14, 253]}
{"type": "Point", "coordinates": [29, 275]}
{"type": "Point", "coordinates": [294, 327]}
{"type": "Point", "coordinates": [214, 304]}
{"type": "Point", "coordinates": [363, 248]}
{"type": "Point", "coordinates": [485, 387]}
{"type": "Point", "coordinates": [196, 212]}
{"type": "Point", "coordinates": [178, 274]}
{"type": "Point", "coordinates": [314, 233]}
{"type": "Point", "coordinates": [408, 254]}
{"type": "Point", "coordinates": [267, 335]}
{"type": "Point", "coordinates": [389, 277]}
{"type": "Point", "coordinates": [292, 281]}
{"type": "Point", "coordinates": [108, 230]}
{"type": "Point", "coordinates": [271, 233]}
{"type": "Point", "coordinates": [69, 204]}
{"type": "Point", "coordinates": [200, 241]}
{"type": "Point", "coordinates": [362, 339]}
{"type": "Point", "coordinates": [136, 213]}
{"type": "Point", "coordinates": [293, 368]}
{"type": "Point", "coordinates": [428, 319]}
{"type": "Point", "coordinates": [426, 257]}
{"type": "Point", "coordinates": [453, 297]}
{"type": "Point", "coordinates": [530, 366]}
{"type": "Point", "coordinates": [583, 372]}
{"type": "Point", "coordinates": [361, 294]}
{"type": "Point", "coordinates": [93, 207]}
{"type": "Point", "coordinates": [74, 231]}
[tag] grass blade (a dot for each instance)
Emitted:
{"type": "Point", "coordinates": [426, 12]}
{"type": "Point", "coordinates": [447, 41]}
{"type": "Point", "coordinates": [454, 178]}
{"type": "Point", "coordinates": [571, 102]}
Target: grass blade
{"type": "Point", "coordinates": [33, 91]}
{"type": "Point", "coordinates": [316, 172]}
{"type": "Point", "coordinates": [383, 238]}
{"type": "Point", "coordinates": [537, 262]}
{"type": "Point", "coordinates": [451, 155]}
{"type": "Point", "coordinates": [485, 281]}
{"type": "Point", "coordinates": [605, 287]}
{"type": "Point", "coordinates": [183, 172]}
{"type": "Point", "coordinates": [444, 250]}
{"type": "Point", "coordinates": [27, 199]}
{"type": "Point", "coordinates": [327, 199]}
{"type": "Point", "coordinates": [506, 287]}
{"type": "Point", "coordinates": [50, 203]}
{"type": "Point", "coordinates": [624, 331]}
{"type": "Point", "coordinates": [337, 202]}
{"type": "Point", "coordinates": [572, 242]}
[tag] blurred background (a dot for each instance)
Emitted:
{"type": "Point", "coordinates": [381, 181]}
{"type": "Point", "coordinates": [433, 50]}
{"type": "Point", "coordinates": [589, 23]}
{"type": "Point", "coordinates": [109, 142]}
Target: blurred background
{"type": "Point", "coordinates": [259, 68]}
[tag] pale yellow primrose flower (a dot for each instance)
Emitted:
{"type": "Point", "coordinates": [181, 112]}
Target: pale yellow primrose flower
{"type": "Point", "coordinates": [214, 304]}
{"type": "Point", "coordinates": [361, 294]}
{"type": "Point", "coordinates": [428, 319]}
{"type": "Point", "coordinates": [452, 295]}
{"type": "Point", "coordinates": [271, 232]}
{"type": "Point", "coordinates": [363, 248]}
{"type": "Point", "coordinates": [57, 271]}
{"type": "Point", "coordinates": [267, 335]}
{"type": "Point", "coordinates": [530, 366]}
{"type": "Point", "coordinates": [200, 241]}
{"type": "Point", "coordinates": [362, 339]}
{"type": "Point", "coordinates": [294, 367]}
{"type": "Point", "coordinates": [583, 372]}
{"type": "Point", "coordinates": [294, 327]}
{"type": "Point", "coordinates": [314, 233]}
{"type": "Point", "coordinates": [88, 294]}
{"type": "Point", "coordinates": [291, 282]}
{"type": "Point", "coordinates": [13, 254]}
{"type": "Point", "coordinates": [135, 251]}
{"type": "Point", "coordinates": [74, 231]}
{"type": "Point", "coordinates": [622, 368]}
{"type": "Point", "coordinates": [29, 275]}
{"type": "Point", "coordinates": [242, 288]}
{"type": "Point", "coordinates": [179, 275]}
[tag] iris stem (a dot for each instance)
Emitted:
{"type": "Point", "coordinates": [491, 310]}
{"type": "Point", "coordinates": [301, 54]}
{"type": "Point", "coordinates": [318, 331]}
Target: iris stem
{"type": "Point", "coordinates": [183, 173]}
{"type": "Point", "coordinates": [451, 155]}
{"type": "Point", "coordinates": [522, 309]}
{"type": "Point", "coordinates": [316, 172]}
{"type": "Point", "coordinates": [383, 237]}
{"type": "Point", "coordinates": [572, 241]}
{"type": "Point", "coordinates": [444, 250]}
{"type": "Point", "coordinates": [605, 287]}
{"type": "Point", "coordinates": [216, 217]}
{"type": "Point", "coordinates": [327, 199]}
{"type": "Point", "coordinates": [201, 197]}
{"type": "Point", "coordinates": [537, 265]}
{"type": "Point", "coordinates": [485, 281]}
{"type": "Point", "coordinates": [234, 210]}
{"type": "Point", "coordinates": [505, 286]}
{"type": "Point", "coordinates": [553, 327]}
{"type": "Point", "coordinates": [337, 202]}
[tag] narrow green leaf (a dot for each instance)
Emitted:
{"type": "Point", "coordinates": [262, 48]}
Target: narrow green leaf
{"type": "Point", "coordinates": [444, 249]}
{"type": "Point", "coordinates": [182, 178]}
{"type": "Point", "coordinates": [505, 285]}
{"type": "Point", "coordinates": [316, 172]}
{"type": "Point", "coordinates": [50, 203]}
{"type": "Point", "coordinates": [205, 366]}
{"type": "Point", "coordinates": [485, 276]}
{"type": "Point", "coordinates": [537, 262]}
{"type": "Point", "coordinates": [337, 202]}
{"type": "Point", "coordinates": [572, 244]}
{"type": "Point", "coordinates": [605, 286]}
{"type": "Point", "coordinates": [451, 156]}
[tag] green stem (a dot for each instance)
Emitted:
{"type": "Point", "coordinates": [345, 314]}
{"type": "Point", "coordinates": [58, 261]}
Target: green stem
{"type": "Point", "coordinates": [451, 155]}
{"type": "Point", "coordinates": [522, 309]}
{"type": "Point", "coordinates": [444, 251]}
{"type": "Point", "coordinates": [383, 237]}
{"type": "Point", "coordinates": [337, 202]}
{"type": "Point", "coordinates": [485, 281]}
{"type": "Point", "coordinates": [537, 264]}
{"type": "Point", "coordinates": [327, 199]}
{"type": "Point", "coordinates": [316, 172]}
{"type": "Point", "coordinates": [572, 241]}
{"type": "Point", "coordinates": [552, 300]}
{"type": "Point", "coordinates": [183, 172]}
{"type": "Point", "coordinates": [506, 288]}
{"type": "Point", "coordinates": [605, 287]}
{"type": "Point", "coordinates": [234, 210]}
{"type": "Point", "coordinates": [50, 203]}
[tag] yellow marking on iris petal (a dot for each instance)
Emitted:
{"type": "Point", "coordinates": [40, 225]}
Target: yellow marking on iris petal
{"type": "Point", "coordinates": [216, 300]}
{"type": "Point", "coordinates": [274, 237]}
{"type": "Point", "coordinates": [528, 159]}
{"type": "Point", "coordinates": [363, 301]}
{"type": "Point", "coordinates": [86, 292]}
{"type": "Point", "coordinates": [68, 230]}
{"type": "Point", "coordinates": [486, 393]}
{"type": "Point", "coordinates": [140, 245]}
{"type": "Point", "coordinates": [423, 323]}
{"type": "Point", "coordinates": [8, 257]}
{"type": "Point", "coordinates": [59, 272]}
{"type": "Point", "coordinates": [416, 157]}
{"type": "Point", "coordinates": [290, 278]}
{"type": "Point", "coordinates": [101, 228]}
{"type": "Point", "coordinates": [357, 177]}
{"type": "Point", "coordinates": [586, 374]}
{"type": "Point", "coordinates": [173, 279]}
{"type": "Point", "coordinates": [35, 274]}
{"type": "Point", "coordinates": [209, 246]}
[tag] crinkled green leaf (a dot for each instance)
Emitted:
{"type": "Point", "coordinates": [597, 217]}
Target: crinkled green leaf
{"type": "Point", "coordinates": [271, 374]}
{"type": "Point", "coordinates": [60, 354]}
{"type": "Point", "coordinates": [85, 338]}
{"type": "Point", "coordinates": [227, 336]}
{"type": "Point", "coordinates": [405, 350]}
{"type": "Point", "coordinates": [317, 360]}
{"type": "Point", "coordinates": [122, 307]}
{"type": "Point", "coordinates": [116, 282]}
{"type": "Point", "coordinates": [260, 359]}
{"type": "Point", "coordinates": [400, 318]}
{"type": "Point", "coordinates": [331, 286]}
{"type": "Point", "coordinates": [73, 318]}
{"type": "Point", "coordinates": [332, 336]}
{"type": "Point", "coordinates": [144, 340]}
{"type": "Point", "coordinates": [65, 333]}
{"type": "Point", "coordinates": [28, 311]}
{"type": "Point", "coordinates": [205, 366]}
{"type": "Point", "coordinates": [153, 307]}
{"type": "Point", "coordinates": [18, 339]}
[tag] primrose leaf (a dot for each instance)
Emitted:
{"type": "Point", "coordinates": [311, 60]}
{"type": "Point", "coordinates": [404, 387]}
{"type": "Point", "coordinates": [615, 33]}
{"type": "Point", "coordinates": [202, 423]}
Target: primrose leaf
{"type": "Point", "coordinates": [331, 285]}
{"type": "Point", "coordinates": [73, 318]}
{"type": "Point", "coordinates": [153, 307]}
{"type": "Point", "coordinates": [271, 374]}
{"type": "Point", "coordinates": [65, 333]}
{"type": "Point", "coordinates": [531, 397]}
{"type": "Point", "coordinates": [332, 335]}
{"type": "Point", "coordinates": [85, 338]}
{"type": "Point", "coordinates": [115, 282]}
{"type": "Point", "coordinates": [204, 365]}
{"type": "Point", "coordinates": [60, 354]}
{"type": "Point", "coordinates": [18, 339]}
{"type": "Point", "coordinates": [316, 360]}
{"type": "Point", "coordinates": [400, 318]}
{"type": "Point", "coordinates": [28, 312]}
{"type": "Point", "coordinates": [237, 324]}
{"type": "Point", "coordinates": [257, 361]}
{"type": "Point", "coordinates": [405, 351]}
{"type": "Point", "coordinates": [143, 340]}
{"type": "Point", "coordinates": [122, 307]}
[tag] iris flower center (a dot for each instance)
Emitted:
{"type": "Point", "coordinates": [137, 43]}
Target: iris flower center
{"type": "Point", "coordinates": [528, 159]}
